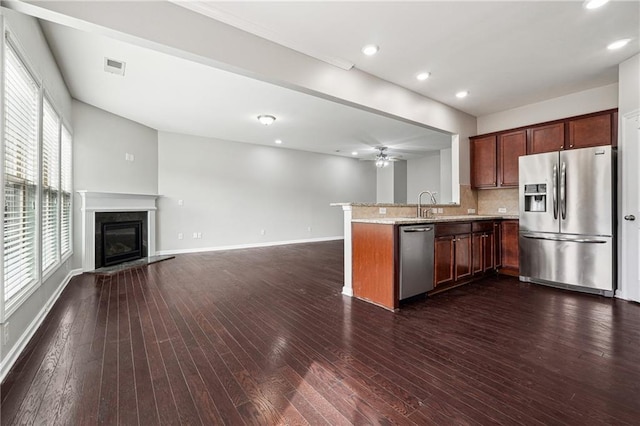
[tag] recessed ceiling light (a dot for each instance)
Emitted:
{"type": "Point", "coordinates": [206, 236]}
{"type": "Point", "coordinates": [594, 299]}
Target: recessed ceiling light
{"type": "Point", "coordinates": [462, 94]}
{"type": "Point", "coordinates": [370, 49]}
{"type": "Point", "coordinates": [267, 120]}
{"type": "Point", "coordinates": [354, 153]}
{"type": "Point", "coordinates": [594, 4]}
{"type": "Point", "coordinates": [618, 44]}
{"type": "Point", "coordinates": [423, 76]}
{"type": "Point", "coordinates": [278, 141]}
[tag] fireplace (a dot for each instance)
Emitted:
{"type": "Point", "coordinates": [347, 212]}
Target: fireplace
{"type": "Point", "coordinates": [121, 242]}
{"type": "Point", "coordinates": [120, 237]}
{"type": "Point", "coordinates": [104, 207]}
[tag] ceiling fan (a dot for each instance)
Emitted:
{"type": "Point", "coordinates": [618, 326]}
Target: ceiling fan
{"type": "Point", "coordinates": [383, 157]}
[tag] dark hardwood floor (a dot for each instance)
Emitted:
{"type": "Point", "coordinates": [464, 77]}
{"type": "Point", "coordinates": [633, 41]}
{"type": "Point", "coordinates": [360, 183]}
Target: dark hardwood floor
{"type": "Point", "coordinates": [263, 336]}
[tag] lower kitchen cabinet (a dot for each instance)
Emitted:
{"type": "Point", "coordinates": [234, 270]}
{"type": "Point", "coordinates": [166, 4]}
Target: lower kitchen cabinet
{"type": "Point", "coordinates": [483, 246]}
{"type": "Point", "coordinates": [453, 253]}
{"type": "Point", "coordinates": [510, 252]}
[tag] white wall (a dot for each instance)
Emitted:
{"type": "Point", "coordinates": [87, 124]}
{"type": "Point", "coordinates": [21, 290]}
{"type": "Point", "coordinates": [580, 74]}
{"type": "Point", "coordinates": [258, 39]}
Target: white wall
{"type": "Point", "coordinates": [629, 91]}
{"type": "Point", "coordinates": [231, 191]}
{"type": "Point", "coordinates": [446, 193]}
{"type": "Point", "coordinates": [100, 142]}
{"type": "Point", "coordinates": [423, 174]}
{"type": "Point", "coordinates": [25, 319]}
{"type": "Point", "coordinates": [592, 100]}
{"type": "Point", "coordinates": [400, 182]}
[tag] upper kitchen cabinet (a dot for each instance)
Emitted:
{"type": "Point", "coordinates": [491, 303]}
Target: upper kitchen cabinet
{"type": "Point", "coordinates": [591, 130]}
{"type": "Point", "coordinates": [494, 159]}
{"type": "Point", "coordinates": [546, 138]}
{"type": "Point", "coordinates": [484, 170]}
{"type": "Point", "coordinates": [510, 147]}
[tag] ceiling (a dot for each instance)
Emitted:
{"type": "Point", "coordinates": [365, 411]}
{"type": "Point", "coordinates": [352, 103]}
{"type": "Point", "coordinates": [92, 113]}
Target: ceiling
{"type": "Point", "coordinates": [173, 94]}
{"type": "Point", "coordinates": [506, 54]}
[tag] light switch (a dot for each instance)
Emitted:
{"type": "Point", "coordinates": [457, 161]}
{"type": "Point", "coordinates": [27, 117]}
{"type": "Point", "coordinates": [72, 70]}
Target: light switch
{"type": "Point", "coordinates": [502, 210]}
{"type": "Point", "coordinates": [181, 202]}
{"type": "Point", "coordinates": [382, 210]}
{"type": "Point", "coordinates": [180, 236]}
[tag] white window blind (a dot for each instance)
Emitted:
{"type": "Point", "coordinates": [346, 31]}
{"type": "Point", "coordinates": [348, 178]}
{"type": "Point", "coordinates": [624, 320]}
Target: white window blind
{"type": "Point", "coordinates": [66, 185]}
{"type": "Point", "coordinates": [21, 95]}
{"type": "Point", "coordinates": [50, 184]}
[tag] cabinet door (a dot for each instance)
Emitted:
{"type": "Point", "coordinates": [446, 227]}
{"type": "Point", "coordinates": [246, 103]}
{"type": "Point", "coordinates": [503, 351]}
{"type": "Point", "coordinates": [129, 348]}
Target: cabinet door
{"type": "Point", "coordinates": [510, 147]}
{"type": "Point", "coordinates": [590, 131]}
{"type": "Point", "coordinates": [488, 245]}
{"type": "Point", "coordinates": [462, 257]}
{"type": "Point", "coordinates": [483, 162]}
{"type": "Point", "coordinates": [510, 250]}
{"type": "Point", "coordinates": [477, 246]}
{"type": "Point", "coordinates": [443, 260]}
{"type": "Point", "coordinates": [546, 138]}
{"type": "Point", "coordinates": [497, 238]}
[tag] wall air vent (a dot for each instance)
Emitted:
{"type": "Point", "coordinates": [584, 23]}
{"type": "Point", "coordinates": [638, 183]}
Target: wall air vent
{"type": "Point", "coordinates": [114, 67]}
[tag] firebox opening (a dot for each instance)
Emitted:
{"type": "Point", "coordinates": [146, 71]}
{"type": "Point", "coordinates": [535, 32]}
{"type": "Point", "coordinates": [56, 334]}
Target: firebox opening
{"type": "Point", "coordinates": [121, 242]}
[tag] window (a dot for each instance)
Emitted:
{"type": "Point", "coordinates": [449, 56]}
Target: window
{"type": "Point", "coordinates": [50, 184]}
{"type": "Point", "coordinates": [21, 109]}
{"type": "Point", "coordinates": [66, 184]}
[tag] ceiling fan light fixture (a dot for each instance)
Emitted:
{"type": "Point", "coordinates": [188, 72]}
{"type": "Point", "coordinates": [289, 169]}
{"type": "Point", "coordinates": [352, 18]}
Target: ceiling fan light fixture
{"type": "Point", "coordinates": [267, 120]}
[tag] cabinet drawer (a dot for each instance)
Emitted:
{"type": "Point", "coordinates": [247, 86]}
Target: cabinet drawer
{"type": "Point", "coordinates": [484, 226]}
{"type": "Point", "coordinates": [452, 228]}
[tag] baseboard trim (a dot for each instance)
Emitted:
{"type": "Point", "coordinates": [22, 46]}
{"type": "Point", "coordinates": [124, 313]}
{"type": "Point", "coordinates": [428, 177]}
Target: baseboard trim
{"type": "Point", "coordinates": [16, 350]}
{"type": "Point", "coordinates": [246, 246]}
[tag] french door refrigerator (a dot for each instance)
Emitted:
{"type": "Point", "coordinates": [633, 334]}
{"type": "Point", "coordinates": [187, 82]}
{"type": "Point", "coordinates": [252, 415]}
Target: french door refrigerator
{"type": "Point", "coordinates": [567, 215]}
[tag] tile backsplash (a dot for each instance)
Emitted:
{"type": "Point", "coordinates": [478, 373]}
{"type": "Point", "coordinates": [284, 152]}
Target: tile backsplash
{"type": "Point", "coordinates": [491, 200]}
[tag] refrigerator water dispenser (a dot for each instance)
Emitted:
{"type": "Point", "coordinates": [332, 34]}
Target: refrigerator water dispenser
{"type": "Point", "coordinates": [535, 197]}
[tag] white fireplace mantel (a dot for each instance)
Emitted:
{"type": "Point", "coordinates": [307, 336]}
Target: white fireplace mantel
{"type": "Point", "coordinates": [94, 201]}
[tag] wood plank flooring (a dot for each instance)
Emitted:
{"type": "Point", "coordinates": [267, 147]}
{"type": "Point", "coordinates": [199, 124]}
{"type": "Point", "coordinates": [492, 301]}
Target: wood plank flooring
{"type": "Point", "coordinates": [263, 336]}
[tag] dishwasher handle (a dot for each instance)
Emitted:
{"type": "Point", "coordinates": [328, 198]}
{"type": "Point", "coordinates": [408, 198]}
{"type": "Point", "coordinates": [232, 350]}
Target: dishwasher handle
{"type": "Point", "coordinates": [417, 230]}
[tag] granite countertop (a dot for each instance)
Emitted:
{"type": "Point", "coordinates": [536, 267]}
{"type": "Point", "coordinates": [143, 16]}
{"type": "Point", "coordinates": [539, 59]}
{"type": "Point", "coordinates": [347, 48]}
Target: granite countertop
{"type": "Point", "coordinates": [418, 220]}
{"type": "Point", "coordinates": [391, 205]}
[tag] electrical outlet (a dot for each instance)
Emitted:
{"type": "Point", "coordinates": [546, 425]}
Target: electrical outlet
{"type": "Point", "coordinates": [199, 235]}
{"type": "Point", "coordinates": [195, 235]}
{"type": "Point", "coordinates": [180, 236]}
{"type": "Point", "coordinates": [382, 210]}
{"type": "Point", "coordinates": [502, 210]}
{"type": "Point", "coordinates": [471, 211]}
{"type": "Point", "coordinates": [440, 210]}
{"type": "Point", "coordinates": [262, 232]}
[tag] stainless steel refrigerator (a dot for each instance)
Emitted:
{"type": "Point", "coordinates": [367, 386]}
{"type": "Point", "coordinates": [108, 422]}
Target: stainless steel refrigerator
{"type": "Point", "coordinates": [567, 219]}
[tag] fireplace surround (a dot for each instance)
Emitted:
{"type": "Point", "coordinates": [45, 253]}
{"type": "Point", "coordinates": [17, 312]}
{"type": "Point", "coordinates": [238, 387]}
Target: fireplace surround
{"type": "Point", "coordinates": [104, 207]}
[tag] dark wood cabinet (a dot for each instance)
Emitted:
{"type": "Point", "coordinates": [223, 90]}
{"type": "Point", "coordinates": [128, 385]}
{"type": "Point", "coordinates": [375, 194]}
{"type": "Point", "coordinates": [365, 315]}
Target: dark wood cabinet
{"type": "Point", "coordinates": [443, 260]}
{"type": "Point", "coordinates": [497, 238]}
{"type": "Point", "coordinates": [594, 130]}
{"type": "Point", "coordinates": [494, 157]}
{"type": "Point", "coordinates": [483, 162]}
{"type": "Point", "coordinates": [483, 247]}
{"type": "Point", "coordinates": [463, 256]}
{"type": "Point", "coordinates": [453, 253]}
{"type": "Point", "coordinates": [510, 251]}
{"type": "Point", "coordinates": [546, 138]}
{"type": "Point", "coordinates": [510, 147]}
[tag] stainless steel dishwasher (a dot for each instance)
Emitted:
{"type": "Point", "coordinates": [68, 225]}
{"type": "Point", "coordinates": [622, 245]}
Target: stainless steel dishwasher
{"type": "Point", "coordinates": [416, 260]}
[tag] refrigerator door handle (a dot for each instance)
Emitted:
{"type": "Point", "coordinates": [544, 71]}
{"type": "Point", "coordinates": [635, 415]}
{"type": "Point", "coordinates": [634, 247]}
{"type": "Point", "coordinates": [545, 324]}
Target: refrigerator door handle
{"type": "Point", "coordinates": [554, 183]}
{"type": "Point", "coordinates": [572, 240]}
{"type": "Point", "coordinates": [563, 186]}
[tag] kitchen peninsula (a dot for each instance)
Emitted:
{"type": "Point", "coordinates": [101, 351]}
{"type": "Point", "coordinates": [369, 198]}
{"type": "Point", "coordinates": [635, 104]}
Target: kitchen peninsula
{"type": "Point", "coordinates": [466, 247]}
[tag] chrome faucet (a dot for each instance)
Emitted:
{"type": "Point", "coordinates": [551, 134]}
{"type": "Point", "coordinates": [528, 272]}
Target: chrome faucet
{"type": "Point", "coordinates": [427, 212]}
